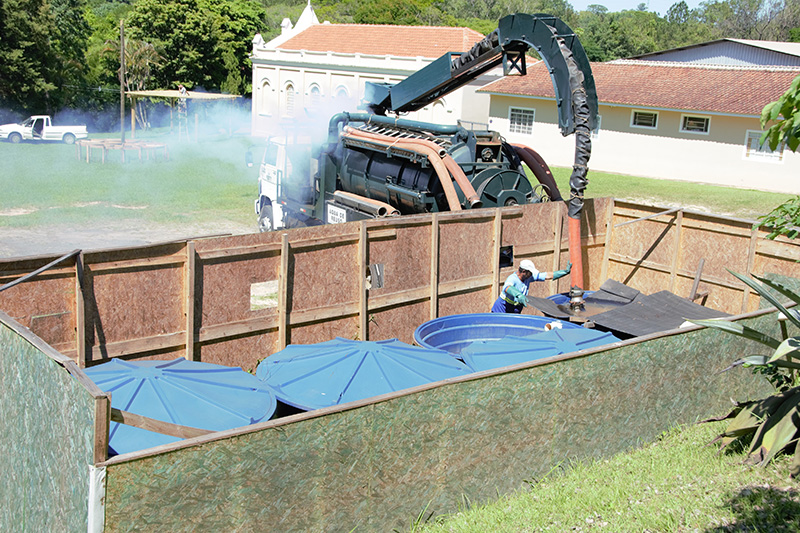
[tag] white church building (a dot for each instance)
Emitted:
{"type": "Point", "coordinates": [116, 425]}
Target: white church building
{"type": "Point", "coordinates": [314, 70]}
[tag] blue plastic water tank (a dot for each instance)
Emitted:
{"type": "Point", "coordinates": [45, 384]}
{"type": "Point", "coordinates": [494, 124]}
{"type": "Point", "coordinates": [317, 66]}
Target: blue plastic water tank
{"type": "Point", "coordinates": [455, 332]}
{"type": "Point", "coordinates": [188, 393]}
{"type": "Point", "coordinates": [313, 376]}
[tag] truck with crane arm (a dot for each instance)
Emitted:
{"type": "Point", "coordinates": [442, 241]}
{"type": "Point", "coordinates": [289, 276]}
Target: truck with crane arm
{"type": "Point", "coordinates": [375, 164]}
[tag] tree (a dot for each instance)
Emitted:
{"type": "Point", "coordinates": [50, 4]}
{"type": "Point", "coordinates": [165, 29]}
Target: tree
{"type": "Point", "coordinates": [69, 43]}
{"type": "Point", "coordinates": [140, 60]}
{"type": "Point", "coordinates": [203, 42]}
{"type": "Point", "coordinates": [28, 64]}
{"type": "Point", "coordinates": [784, 117]}
{"type": "Point", "coordinates": [678, 13]}
{"type": "Point", "coordinates": [752, 19]}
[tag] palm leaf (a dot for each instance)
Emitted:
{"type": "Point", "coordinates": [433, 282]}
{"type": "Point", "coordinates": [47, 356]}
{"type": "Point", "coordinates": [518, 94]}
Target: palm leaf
{"type": "Point", "coordinates": [783, 403]}
{"type": "Point", "coordinates": [783, 432]}
{"type": "Point", "coordinates": [763, 360]}
{"type": "Point", "coordinates": [788, 348]}
{"type": "Point", "coordinates": [785, 291]}
{"type": "Point", "coordinates": [794, 468]}
{"type": "Point", "coordinates": [767, 295]}
{"type": "Point", "coordinates": [740, 330]}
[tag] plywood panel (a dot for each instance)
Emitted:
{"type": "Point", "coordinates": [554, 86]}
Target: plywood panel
{"type": "Point", "coordinates": [45, 305]}
{"type": "Point", "coordinates": [323, 276]}
{"type": "Point", "coordinates": [720, 251]}
{"type": "Point", "coordinates": [465, 248]}
{"type": "Point", "coordinates": [131, 304]}
{"type": "Point", "coordinates": [406, 259]}
{"type": "Point", "coordinates": [346, 328]}
{"type": "Point", "coordinates": [244, 352]}
{"type": "Point", "coordinates": [47, 439]}
{"type": "Point", "coordinates": [224, 287]}
{"type": "Point", "coordinates": [465, 302]}
{"type": "Point", "coordinates": [398, 322]}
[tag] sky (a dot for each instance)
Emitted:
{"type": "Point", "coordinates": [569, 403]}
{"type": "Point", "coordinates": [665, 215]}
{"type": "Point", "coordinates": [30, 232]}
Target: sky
{"type": "Point", "coordinates": [659, 6]}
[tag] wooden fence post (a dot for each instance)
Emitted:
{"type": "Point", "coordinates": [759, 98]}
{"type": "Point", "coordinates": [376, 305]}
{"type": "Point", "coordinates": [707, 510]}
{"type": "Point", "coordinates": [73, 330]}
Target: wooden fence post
{"type": "Point", "coordinates": [751, 260]}
{"type": "Point", "coordinates": [362, 260]}
{"type": "Point", "coordinates": [283, 288]}
{"type": "Point", "coordinates": [558, 232]}
{"type": "Point", "coordinates": [188, 299]}
{"type": "Point", "coordinates": [80, 313]}
{"type": "Point", "coordinates": [673, 273]}
{"type": "Point", "coordinates": [434, 309]}
{"type": "Point", "coordinates": [102, 418]}
{"type": "Point", "coordinates": [607, 247]}
{"type": "Point", "coordinates": [498, 244]}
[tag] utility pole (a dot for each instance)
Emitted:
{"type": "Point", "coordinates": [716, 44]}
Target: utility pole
{"type": "Point", "coordinates": [122, 80]}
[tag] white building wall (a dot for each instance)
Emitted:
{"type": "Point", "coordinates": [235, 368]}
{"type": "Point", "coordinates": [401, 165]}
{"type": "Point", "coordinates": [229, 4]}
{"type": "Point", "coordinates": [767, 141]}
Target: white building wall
{"type": "Point", "coordinates": [718, 158]}
{"type": "Point", "coordinates": [335, 73]}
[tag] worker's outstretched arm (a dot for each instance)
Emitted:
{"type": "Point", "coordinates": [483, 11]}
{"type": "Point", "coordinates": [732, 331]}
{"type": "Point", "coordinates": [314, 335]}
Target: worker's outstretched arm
{"type": "Point", "coordinates": [561, 273]}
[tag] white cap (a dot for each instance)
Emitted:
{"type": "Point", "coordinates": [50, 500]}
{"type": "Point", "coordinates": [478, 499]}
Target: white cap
{"type": "Point", "coordinates": [528, 265]}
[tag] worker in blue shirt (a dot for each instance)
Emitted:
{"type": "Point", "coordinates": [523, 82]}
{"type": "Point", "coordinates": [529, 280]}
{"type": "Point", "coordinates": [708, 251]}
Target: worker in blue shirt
{"type": "Point", "coordinates": [514, 295]}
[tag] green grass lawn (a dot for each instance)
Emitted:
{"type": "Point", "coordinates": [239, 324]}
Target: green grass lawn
{"type": "Point", "coordinates": [678, 483]}
{"type": "Point", "coordinates": [46, 184]}
{"type": "Point", "coordinates": [729, 201]}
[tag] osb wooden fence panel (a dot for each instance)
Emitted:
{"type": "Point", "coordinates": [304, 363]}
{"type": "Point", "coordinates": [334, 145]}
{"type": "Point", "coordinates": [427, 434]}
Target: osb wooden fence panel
{"type": "Point", "coordinates": [46, 307]}
{"type": "Point", "coordinates": [47, 437]}
{"type": "Point", "coordinates": [376, 465]}
{"type": "Point", "coordinates": [196, 299]}
{"type": "Point", "coordinates": [653, 249]}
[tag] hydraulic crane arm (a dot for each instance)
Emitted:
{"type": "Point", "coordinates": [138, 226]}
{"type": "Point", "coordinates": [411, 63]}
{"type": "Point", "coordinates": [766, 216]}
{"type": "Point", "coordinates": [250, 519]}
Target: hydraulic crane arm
{"type": "Point", "coordinates": [555, 42]}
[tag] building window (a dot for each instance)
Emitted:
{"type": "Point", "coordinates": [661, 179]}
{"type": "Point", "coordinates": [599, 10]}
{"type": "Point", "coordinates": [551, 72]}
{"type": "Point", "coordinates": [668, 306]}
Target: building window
{"type": "Point", "coordinates": [755, 152]}
{"type": "Point", "coordinates": [315, 97]}
{"type": "Point", "coordinates": [521, 120]}
{"type": "Point", "coordinates": [693, 124]}
{"type": "Point", "coordinates": [265, 101]}
{"type": "Point", "coordinates": [341, 93]}
{"type": "Point", "coordinates": [644, 119]}
{"type": "Point", "coordinates": [288, 107]}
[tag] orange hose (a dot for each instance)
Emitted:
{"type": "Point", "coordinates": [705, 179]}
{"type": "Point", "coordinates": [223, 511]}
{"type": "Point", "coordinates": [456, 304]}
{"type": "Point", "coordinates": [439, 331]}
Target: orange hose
{"type": "Point", "coordinates": [575, 253]}
{"type": "Point", "coordinates": [450, 163]}
{"type": "Point", "coordinates": [461, 178]}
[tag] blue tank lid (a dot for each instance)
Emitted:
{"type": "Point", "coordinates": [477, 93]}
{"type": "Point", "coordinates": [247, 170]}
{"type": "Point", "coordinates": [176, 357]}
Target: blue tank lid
{"type": "Point", "coordinates": [312, 376]}
{"type": "Point", "coordinates": [188, 393]}
{"type": "Point", "coordinates": [486, 355]}
{"type": "Point", "coordinates": [455, 332]}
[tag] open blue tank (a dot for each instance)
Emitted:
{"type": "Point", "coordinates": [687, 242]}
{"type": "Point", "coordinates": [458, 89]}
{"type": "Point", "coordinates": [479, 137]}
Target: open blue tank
{"type": "Point", "coordinates": [455, 332]}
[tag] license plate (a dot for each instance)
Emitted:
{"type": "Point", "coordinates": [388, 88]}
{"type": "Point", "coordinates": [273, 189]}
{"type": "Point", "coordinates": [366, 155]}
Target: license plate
{"type": "Point", "coordinates": [336, 215]}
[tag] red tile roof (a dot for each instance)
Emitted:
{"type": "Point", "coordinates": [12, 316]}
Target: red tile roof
{"type": "Point", "coordinates": [402, 41]}
{"type": "Point", "coordinates": [742, 91]}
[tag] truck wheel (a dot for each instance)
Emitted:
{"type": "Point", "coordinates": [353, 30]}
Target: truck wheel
{"type": "Point", "coordinates": [265, 219]}
{"type": "Point", "coordinates": [15, 138]}
{"type": "Point", "coordinates": [68, 138]}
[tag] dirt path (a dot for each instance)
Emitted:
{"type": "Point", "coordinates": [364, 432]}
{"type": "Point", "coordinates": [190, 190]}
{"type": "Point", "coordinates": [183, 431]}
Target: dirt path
{"type": "Point", "coordinates": [52, 240]}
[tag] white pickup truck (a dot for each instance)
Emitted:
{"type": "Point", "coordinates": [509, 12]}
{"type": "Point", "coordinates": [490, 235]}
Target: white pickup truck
{"type": "Point", "coordinates": [40, 128]}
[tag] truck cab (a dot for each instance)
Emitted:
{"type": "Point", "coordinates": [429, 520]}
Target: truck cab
{"type": "Point", "coordinates": [286, 176]}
